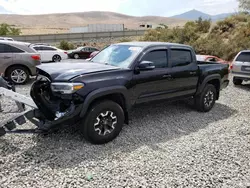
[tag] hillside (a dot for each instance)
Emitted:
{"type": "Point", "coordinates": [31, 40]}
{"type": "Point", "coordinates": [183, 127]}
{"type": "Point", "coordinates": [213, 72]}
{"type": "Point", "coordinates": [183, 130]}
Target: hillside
{"type": "Point", "coordinates": [195, 14]}
{"type": "Point", "coordinates": [60, 23]}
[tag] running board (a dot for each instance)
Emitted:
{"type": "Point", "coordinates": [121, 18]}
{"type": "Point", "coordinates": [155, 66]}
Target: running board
{"type": "Point", "coordinates": [17, 97]}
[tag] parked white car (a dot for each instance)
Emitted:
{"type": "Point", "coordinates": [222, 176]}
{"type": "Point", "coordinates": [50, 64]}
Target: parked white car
{"type": "Point", "coordinates": [50, 53]}
{"type": "Point", "coordinates": [6, 38]}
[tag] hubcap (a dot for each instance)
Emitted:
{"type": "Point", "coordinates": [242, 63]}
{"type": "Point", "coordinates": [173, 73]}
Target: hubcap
{"type": "Point", "coordinates": [105, 123]}
{"type": "Point", "coordinates": [76, 56]}
{"type": "Point", "coordinates": [18, 76]}
{"type": "Point", "coordinates": [209, 98]}
{"type": "Point", "coordinates": [57, 58]}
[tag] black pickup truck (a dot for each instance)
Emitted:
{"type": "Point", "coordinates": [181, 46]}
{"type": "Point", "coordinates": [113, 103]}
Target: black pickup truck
{"type": "Point", "coordinates": [97, 95]}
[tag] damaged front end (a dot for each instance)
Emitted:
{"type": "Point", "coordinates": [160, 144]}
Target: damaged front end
{"type": "Point", "coordinates": [58, 104]}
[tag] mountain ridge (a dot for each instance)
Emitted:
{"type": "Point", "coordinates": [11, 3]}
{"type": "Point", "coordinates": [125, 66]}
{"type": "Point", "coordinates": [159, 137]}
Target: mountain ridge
{"type": "Point", "coordinates": [195, 14]}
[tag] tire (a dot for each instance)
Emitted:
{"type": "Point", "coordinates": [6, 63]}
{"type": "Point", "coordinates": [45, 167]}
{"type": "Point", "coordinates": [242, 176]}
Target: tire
{"type": "Point", "coordinates": [56, 58]}
{"type": "Point", "coordinates": [206, 100]}
{"type": "Point", "coordinates": [13, 72]}
{"type": "Point", "coordinates": [237, 81]}
{"type": "Point", "coordinates": [94, 125]}
{"type": "Point", "coordinates": [76, 56]}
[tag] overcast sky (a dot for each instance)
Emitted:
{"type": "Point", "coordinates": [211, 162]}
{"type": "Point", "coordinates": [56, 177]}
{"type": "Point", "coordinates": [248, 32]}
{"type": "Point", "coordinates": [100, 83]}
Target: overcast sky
{"type": "Point", "coordinates": [130, 7]}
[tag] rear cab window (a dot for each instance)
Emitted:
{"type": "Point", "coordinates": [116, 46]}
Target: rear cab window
{"type": "Point", "coordinates": [244, 57]}
{"type": "Point", "coordinates": [181, 57]}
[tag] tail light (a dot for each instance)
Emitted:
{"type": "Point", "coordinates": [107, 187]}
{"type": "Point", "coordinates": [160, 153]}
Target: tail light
{"type": "Point", "coordinates": [66, 52]}
{"type": "Point", "coordinates": [36, 57]}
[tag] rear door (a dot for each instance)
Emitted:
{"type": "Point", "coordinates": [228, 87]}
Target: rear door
{"type": "Point", "coordinates": [242, 63]}
{"type": "Point", "coordinates": [184, 71]}
{"type": "Point", "coordinates": [48, 53]}
{"type": "Point", "coordinates": [6, 57]}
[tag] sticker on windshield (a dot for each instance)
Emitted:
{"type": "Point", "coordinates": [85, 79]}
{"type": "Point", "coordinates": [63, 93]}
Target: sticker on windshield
{"type": "Point", "coordinates": [134, 48]}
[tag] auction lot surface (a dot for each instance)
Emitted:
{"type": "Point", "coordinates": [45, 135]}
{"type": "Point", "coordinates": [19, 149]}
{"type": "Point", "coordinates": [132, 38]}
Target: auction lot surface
{"type": "Point", "coordinates": [166, 144]}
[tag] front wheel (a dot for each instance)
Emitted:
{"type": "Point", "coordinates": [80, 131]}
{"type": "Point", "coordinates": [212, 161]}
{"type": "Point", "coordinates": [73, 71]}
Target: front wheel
{"type": "Point", "coordinates": [205, 101]}
{"type": "Point", "coordinates": [103, 122]}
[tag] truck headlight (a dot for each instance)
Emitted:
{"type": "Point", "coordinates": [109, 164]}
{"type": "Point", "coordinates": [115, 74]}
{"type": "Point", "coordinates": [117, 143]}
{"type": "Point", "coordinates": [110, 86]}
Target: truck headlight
{"type": "Point", "coordinates": [66, 88]}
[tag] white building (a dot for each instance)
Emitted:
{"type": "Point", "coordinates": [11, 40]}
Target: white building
{"type": "Point", "coordinates": [92, 28]}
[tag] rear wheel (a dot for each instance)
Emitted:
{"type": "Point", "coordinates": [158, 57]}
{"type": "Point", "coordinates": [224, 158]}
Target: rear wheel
{"type": "Point", "coordinates": [206, 100]}
{"type": "Point", "coordinates": [18, 74]}
{"type": "Point", "coordinates": [103, 122]}
{"type": "Point", "coordinates": [56, 58]}
{"type": "Point", "coordinates": [237, 81]}
{"type": "Point", "coordinates": [76, 56]}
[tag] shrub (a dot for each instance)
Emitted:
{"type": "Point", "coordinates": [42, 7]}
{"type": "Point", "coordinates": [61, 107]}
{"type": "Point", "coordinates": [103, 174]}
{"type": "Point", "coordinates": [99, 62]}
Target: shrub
{"type": "Point", "coordinates": [64, 45]}
{"type": "Point", "coordinates": [6, 29]}
{"type": "Point", "coordinates": [225, 39]}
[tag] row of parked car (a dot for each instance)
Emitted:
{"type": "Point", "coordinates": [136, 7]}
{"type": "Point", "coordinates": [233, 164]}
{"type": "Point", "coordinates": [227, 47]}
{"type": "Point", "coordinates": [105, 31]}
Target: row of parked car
{"type": "Point", "coordinates": [18, 60]}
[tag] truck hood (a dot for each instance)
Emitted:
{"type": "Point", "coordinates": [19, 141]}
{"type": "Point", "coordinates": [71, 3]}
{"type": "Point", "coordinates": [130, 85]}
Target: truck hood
{"type": "Point", "coordinates": [67, 71]}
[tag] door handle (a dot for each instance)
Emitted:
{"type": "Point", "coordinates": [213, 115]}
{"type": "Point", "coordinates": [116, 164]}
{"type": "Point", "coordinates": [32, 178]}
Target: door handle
{"type": "Point", "coordinates": [168, 77]}
{"type": "Point", "coordinates": [192, 73]}
{"type": "Point", "coordinates": [6, 57]}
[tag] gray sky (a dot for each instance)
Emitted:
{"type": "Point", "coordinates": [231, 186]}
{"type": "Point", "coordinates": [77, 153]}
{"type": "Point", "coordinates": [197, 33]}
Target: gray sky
{"type": "Point", "coordinates": [130, 7]}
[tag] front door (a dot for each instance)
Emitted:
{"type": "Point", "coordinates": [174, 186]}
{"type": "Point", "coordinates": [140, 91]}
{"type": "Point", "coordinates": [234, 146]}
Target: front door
{"type": "Point", "coordinates": [153, 84]}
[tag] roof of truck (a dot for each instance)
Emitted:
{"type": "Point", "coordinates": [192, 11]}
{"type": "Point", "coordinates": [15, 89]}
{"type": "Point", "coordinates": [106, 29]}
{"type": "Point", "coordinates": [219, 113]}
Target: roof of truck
{"type": "Point", "coordinates": [147, 44]}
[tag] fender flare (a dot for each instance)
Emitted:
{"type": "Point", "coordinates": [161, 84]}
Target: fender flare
{"type": "Point", "coordinates": [102, 92]}
{"type": "Point", "coordinates": [206, 80]}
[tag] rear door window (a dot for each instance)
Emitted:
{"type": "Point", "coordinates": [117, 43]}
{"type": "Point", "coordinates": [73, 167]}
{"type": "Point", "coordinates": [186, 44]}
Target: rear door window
{"type": "Point", "coordinates": [48, 48]}
{"type": "Point", "coordinates": [244, 57]}
{"type": "Point", "coordinates": [38, 48]}
{"type": "Point", "coordinates": [5, 48]}
{"type": "Point", "coordinates": [180, 57]}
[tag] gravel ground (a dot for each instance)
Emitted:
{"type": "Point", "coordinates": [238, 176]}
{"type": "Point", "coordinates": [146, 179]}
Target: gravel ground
{"type": "Point", "coordinates": [165, 145]}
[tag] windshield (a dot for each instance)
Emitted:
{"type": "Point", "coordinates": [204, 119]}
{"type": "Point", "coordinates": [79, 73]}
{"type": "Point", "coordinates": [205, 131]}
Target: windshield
{"type": "Point", "coordinates": [117, 55]}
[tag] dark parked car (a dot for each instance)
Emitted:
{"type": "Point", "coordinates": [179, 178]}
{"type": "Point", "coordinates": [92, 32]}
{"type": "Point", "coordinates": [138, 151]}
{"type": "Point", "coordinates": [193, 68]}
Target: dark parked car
{"type": "Point", "coordinates": [97, 95]}
{"type": "Point", "coordinates": [81, 52]}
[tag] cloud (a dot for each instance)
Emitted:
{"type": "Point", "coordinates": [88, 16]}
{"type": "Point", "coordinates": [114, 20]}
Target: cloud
{"type": "Point", "coordinates": [131, 7]}
{"type": "Point", "coordinates": [58, 6]}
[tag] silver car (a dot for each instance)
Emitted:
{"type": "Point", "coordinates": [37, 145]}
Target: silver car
{"type": "Point", "coordinates": [18, 61]}
{"type": "Point", "coordinates": [241, 67]}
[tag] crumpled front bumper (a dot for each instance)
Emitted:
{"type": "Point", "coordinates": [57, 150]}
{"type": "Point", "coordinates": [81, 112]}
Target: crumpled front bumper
{"type": "Point", "coordinates": [42, 125]}
{"type": "Point", "coordinates": [38, 114]}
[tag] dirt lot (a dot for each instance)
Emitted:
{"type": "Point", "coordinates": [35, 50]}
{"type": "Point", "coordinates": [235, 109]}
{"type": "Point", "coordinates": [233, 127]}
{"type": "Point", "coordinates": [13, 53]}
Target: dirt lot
{"type": "Point", "coordinates": [166, 144]}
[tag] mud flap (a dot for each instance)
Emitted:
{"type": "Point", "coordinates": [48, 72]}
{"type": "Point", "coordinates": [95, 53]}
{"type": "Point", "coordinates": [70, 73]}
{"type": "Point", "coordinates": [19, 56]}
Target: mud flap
{"type": "Point", "coordinates": [2, 131]}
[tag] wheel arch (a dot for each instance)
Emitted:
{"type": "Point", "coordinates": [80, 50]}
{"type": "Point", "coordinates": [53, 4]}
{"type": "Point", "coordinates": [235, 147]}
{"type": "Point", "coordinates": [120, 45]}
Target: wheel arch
{"type": "Point", "coordinates": [215, 80]}
{"type": "Point", "coordinates": [117, 94]}
{"type": "Point", "coordinates": [16, 65]}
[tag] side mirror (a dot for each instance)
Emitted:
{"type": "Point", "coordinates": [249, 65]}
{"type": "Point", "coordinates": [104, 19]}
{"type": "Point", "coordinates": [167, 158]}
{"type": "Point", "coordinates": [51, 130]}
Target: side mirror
{"type": "Point", "coordinates": [146, 65]}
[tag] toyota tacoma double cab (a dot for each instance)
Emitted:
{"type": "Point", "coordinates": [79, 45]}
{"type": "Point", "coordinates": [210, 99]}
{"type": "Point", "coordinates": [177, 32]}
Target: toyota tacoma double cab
{"type": "Point", "coordinates": [97, 95]}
